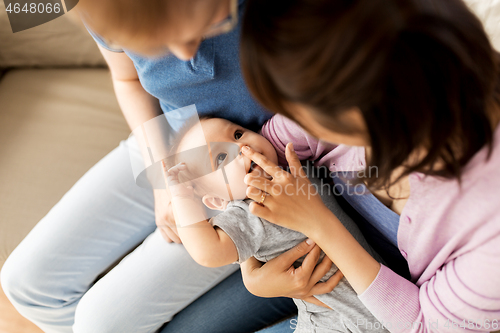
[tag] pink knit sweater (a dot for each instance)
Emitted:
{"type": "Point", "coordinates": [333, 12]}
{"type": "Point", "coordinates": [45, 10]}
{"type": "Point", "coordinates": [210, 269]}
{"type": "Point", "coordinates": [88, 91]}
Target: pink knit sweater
{"type": "Point", "coordinates": [449, 234]}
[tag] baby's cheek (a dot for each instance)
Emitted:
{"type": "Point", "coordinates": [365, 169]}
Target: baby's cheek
{"type": "Point", "coordinates": [238, 189]}
{"type": "Point", "coordinates": [235, 174]}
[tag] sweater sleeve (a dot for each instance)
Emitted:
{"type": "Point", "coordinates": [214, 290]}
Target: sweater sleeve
{"type": "Point", "coordinates": [456, 299]}
{"type": "Point", "coordinates": [280, 130]}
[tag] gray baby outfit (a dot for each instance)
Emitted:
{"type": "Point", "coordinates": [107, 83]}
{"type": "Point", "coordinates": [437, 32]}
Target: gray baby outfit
{"type": "Point", "coordinates": [263, 240]}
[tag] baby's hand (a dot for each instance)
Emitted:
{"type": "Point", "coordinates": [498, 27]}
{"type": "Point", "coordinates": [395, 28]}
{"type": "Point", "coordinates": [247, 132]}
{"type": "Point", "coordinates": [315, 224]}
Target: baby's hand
{"type": "Point", "coordinates": [177, 189]}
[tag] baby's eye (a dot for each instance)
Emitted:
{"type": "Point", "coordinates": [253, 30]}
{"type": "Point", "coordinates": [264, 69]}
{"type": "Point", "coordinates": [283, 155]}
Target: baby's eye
{"type": "Point", "coordinates": [238, 134]}
{"type": "Point", "coordinates": [220, 159]}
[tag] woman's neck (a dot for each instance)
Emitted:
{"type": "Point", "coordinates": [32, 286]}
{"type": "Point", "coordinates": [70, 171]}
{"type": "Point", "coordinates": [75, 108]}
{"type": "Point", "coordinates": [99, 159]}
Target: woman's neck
{"type": "Point", "coordinates": [494, 115]}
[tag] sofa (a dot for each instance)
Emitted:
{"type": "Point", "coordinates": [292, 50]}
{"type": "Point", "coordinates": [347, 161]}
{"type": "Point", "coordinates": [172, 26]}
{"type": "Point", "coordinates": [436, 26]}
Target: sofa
{"type": "Point", "coordinates": [59, 116]}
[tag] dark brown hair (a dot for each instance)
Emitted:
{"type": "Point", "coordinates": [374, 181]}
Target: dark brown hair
{"type": "Point", "coordinates": [422, 72]}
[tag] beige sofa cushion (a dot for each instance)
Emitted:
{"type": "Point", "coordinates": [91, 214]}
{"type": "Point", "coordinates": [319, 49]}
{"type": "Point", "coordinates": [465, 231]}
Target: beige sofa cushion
{"type": "Point", "coordinates": [56, 43]}
{"type": "Point", "coordinates": [54, 125]}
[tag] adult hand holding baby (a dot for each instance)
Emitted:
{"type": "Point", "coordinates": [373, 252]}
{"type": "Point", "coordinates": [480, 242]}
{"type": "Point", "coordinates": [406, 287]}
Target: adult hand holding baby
{"type": "Point", "coordinates": [291, 201]}
{"type": "Point", "coordinates": [278, 277]}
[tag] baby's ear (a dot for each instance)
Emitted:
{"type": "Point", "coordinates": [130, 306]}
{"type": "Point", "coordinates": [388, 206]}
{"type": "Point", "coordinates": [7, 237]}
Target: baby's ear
{"type": "Point", "coordinates": [214, 202]}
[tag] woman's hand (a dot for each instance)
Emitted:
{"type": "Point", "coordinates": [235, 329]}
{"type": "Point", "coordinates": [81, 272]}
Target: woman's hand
{"type": "Point", "coordinates": [278, 277]}
{"type": "Point", "coordinates": [164, 216]}
{"type": "Point", "coordinates": [290, 199]}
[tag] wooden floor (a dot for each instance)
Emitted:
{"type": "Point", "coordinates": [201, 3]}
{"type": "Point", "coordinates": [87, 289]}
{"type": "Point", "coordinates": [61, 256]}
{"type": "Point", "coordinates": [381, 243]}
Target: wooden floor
{"type": "Point", "coordinates": [11, 321]}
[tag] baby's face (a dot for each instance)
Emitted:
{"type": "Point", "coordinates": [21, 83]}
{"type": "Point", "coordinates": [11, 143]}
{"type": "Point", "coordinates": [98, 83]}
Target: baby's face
{"type": "Point", "coordinates": [225, 140]}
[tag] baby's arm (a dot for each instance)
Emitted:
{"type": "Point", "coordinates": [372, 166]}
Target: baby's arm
{"type": "Point", "coordinates": [209, 246]}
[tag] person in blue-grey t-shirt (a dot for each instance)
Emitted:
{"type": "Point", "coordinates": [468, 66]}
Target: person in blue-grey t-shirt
{"type": "Point", "coordinates": [163, 55]}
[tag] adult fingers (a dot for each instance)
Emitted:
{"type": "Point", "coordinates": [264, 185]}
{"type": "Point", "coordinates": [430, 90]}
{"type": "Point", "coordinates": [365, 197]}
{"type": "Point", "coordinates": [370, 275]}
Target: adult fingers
{"type": "Point", "coordinates": [321, 269]}
{"type": "Point", "coordinates": [314, 300]}
{"type": "Point", "coordinates": [259, 196]}
{"type": "Point", "coordinates": [310, 262]}
{"type": "Point", "coordinates": [259, 182]}
{"type": "Point", "coordinates": [250, 279]}
{"type": "Point", "coordinates": [261, 211]}
{"type": "Point", "coordinates": [329, 285]}
{"type": "Point", "coordinates": [287, 259]}
{"type": "Point", "coordinates": [268, 166]}
{"type": "Point", "coordinates": [165, 236]}
{"type": "Point", "coordinates": [250, 265]}
{"type": "Point", "coordinates": [294, 162]}
{"type": "Point", "coordinates": [170, 234]}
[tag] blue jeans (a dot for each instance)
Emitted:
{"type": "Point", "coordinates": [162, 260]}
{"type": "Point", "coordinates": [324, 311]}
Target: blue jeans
{"type": "Point", "coordinates": [284, 326]}
{"type": "Point", "coordinates": [230, 308]}
{"type": "Point", "coordinates": [52, 276]}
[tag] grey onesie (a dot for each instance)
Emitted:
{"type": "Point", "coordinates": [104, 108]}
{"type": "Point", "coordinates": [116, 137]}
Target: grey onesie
{"type": "Point", "coordinates": [263, 240]}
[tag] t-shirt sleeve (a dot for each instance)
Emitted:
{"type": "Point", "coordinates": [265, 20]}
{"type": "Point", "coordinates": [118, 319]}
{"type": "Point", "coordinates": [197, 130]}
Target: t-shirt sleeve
{"type": "Point", "coordinates": [99, 40]}
{"type": "Point", "coordinates": [245, 229]}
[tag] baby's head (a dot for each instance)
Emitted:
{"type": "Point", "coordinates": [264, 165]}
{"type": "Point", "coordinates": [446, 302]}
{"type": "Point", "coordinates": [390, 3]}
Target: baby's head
{"type": "Point", "coordinates": [218, 172]}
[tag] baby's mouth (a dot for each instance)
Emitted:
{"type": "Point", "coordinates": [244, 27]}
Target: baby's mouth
{"type": "Point", "coordinates": [252, 166]}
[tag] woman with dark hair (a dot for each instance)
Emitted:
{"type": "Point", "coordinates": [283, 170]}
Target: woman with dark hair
{"type": "Point", "coordinates": [417, 83]}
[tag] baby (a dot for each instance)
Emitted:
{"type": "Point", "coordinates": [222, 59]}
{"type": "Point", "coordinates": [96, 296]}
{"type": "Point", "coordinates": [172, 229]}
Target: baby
{"type": "Point", "coordinates": [212, 176]}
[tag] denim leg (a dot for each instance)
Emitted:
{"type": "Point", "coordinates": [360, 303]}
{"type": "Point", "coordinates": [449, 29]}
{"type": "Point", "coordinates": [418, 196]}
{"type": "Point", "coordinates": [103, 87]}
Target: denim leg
{"type": "Point", "coordinates": [285, 326]}
{"type": "Point", "coordinates": [230, 308]}
{"type": "Point", "coordinates": [146, 289]}
{"type": "Point", "coordinates": [103, 217]}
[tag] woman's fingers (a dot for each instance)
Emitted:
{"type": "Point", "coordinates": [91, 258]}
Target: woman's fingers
{"type": "Point", "coordinates": [250, 265]}
{"type": "Point", "coordinates": [259, 210]}
{"type": "Point", "coordinates": [314, 300]}
{"type": "Point", "coordinates": [259, 182]}
{"type": "Point", "coordinates": [287, 259]}
{"type": "Point", "coordinates": [310, 261]}
{"type": "Point", "coordinates": [165, 236]}
{"type": "Point", "coordinates": [321, 269]}
{"type": "Point", "coordinates": [327, 286]}
{"type": "Point", "coordinates": [268, 166]}
{"type": "Point", "coordinates": [248, 268]}
{"type": "Point", "coordinates": [294, 162]}
{"type": "Point", "coordinates": [169, 235]}
{"type": "Point", "coordinates": [259, 196]}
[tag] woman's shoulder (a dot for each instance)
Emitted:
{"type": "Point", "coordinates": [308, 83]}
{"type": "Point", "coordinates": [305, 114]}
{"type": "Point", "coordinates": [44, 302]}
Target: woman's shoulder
{"type": "Point", "coordinates": [480, 178]}
{"type": "Point", "coordinates": [459, 211]}
{"type": "Point", "coordinates": [445, 219]}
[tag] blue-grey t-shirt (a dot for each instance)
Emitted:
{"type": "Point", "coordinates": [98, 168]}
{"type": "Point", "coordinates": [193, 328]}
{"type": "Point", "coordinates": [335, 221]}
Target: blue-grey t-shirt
{"type": "Point", "coordinates": [212, 80]}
